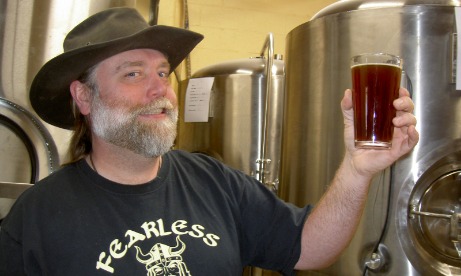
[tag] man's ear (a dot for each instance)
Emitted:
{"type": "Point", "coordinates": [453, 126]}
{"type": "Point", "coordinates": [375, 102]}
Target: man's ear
{"type": "Point", "coordinates": [81, 95]}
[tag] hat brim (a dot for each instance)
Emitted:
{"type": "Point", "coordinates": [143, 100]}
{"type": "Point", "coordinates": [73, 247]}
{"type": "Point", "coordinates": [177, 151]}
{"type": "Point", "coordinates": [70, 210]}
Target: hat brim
{"type": "Point", "coordinates": [49, 93]}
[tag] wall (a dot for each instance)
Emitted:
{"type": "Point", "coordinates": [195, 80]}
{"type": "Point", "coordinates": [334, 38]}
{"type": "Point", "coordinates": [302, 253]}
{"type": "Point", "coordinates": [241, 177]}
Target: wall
{"type": "Point", "coordinates": [235, 29]}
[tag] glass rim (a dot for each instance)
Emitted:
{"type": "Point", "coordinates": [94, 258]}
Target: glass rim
{"type": "Point", "coordinates": [398, 59]}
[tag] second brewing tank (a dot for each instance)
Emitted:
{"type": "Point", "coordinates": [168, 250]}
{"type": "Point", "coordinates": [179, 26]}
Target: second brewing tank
{"type": "Point", "coordinates": [237, 119]}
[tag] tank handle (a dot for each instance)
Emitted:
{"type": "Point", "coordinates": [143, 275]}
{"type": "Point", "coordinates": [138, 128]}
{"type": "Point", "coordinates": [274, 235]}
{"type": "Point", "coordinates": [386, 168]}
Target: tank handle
{"type": "Point", "coordinates": [263, 160]}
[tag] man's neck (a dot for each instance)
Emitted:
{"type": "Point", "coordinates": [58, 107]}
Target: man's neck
{"type": "Point", "coordinates": [121, 165]}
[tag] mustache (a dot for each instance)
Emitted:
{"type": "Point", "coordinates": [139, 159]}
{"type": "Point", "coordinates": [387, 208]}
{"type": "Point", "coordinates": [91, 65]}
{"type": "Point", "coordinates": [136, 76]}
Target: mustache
{"type": "Point", "coordinates": [161, 105]}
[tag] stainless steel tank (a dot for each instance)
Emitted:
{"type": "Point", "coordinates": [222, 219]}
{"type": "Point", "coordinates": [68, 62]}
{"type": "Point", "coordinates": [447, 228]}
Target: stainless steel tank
{"type": "Point", "coordinates": [243, 128]}
{"type": "Point", "coordinates": [32, 32]}
{"type": "Point", "coordinates": [411, 224]}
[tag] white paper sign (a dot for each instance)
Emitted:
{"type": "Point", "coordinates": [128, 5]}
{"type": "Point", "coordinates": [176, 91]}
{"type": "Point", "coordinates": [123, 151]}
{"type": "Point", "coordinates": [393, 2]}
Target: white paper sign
{"type": "Point", "coordinates": [458, 51]}
{"type": "Point", "coordinates": [197, 103]}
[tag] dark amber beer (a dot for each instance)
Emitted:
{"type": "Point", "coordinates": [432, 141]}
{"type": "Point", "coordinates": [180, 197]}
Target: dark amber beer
{"type": "Point", "coordinates": [375, 85]}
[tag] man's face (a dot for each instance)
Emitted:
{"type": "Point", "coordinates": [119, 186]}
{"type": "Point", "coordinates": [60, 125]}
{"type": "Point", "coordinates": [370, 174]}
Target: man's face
{"type": "Point", "coordinates": [136, 107]}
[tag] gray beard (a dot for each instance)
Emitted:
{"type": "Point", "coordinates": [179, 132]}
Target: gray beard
{"type": "Point", "coordinates": [119, 126]}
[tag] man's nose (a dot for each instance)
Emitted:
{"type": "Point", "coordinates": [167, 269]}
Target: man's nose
{"type": "Point", "coordinates": [157, 86]}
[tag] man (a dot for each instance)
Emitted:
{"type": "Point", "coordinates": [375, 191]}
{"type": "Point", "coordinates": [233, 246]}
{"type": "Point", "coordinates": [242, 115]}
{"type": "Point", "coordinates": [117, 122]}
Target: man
{"type": "Point", "coordinates": [127, 205]}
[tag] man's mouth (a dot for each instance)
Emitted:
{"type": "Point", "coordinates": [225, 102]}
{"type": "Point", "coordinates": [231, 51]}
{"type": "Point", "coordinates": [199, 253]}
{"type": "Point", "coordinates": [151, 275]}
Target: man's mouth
{"type": "Point", "coordinates": [155, 111]}
{"type": "Point", "coordinates": [158, 108]}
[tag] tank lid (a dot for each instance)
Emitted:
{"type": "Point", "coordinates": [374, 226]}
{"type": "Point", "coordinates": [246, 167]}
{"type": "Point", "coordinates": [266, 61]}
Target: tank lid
{"type": "Point", "coordinates": [250, 66]}
{"type": "Point", "coordinates": [354, 5]}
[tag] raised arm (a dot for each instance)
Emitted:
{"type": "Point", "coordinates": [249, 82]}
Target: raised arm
{"type": "Point", "coordinates": [333, 222]}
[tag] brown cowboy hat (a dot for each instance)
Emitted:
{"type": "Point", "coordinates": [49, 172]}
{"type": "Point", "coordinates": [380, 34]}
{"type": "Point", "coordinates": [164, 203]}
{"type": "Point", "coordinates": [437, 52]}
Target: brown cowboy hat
{"type": "Point", "coordinates": [97, 38]}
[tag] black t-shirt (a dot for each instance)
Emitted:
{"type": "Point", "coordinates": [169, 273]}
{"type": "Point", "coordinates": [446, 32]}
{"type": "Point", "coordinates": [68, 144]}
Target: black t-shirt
{"type": "Point", "coordinates": [197, 217]}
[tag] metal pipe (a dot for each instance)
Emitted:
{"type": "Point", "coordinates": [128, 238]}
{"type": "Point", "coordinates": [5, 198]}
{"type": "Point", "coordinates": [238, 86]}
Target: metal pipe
{"type": "Point", "coordinates": [269, 46]}
{"type": "Point", "coordinates": [13, 190]}
{"type": "Point", "coordinates": [153, 12]}
{"type": "Point", "coordinates": [186, 26]}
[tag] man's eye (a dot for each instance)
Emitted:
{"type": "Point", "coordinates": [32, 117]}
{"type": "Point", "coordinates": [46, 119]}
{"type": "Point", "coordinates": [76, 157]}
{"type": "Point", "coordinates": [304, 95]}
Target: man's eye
{"type": "Point", "coordinates": [163, 74]}
{"type": "Point", "coordinates": [132, 74]}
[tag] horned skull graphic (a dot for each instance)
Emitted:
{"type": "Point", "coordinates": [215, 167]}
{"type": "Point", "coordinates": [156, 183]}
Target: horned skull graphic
{"type": "Point", "coordinates": [163, 260]}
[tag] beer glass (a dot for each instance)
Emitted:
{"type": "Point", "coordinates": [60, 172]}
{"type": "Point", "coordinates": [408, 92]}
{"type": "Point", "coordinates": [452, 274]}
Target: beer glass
{"type": "Point", "coordinates": [375, 85]}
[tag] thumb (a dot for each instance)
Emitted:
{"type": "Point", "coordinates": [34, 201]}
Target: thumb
{"type": "Point", "coordinates": [346, 102]}
{"type": "Point", "coordinates": [348, 116]}
{"type": "Point", "coordinates": [346, 105]}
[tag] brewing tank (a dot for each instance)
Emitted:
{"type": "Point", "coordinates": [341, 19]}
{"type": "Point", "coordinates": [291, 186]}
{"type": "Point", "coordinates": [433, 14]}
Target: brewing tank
{"type": "Point", "coordinates": [411, 223]}
{"type": "Point", "coordinates": [243, 125]}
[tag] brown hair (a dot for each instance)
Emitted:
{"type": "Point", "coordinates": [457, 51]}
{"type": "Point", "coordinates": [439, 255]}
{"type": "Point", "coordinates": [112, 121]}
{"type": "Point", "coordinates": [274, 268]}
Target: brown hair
{"type": "Point", "coordinates": [80, 143]}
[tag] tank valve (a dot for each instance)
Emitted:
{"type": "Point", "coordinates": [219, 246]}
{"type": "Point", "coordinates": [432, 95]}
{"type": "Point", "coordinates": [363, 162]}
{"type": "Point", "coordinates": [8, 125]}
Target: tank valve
{"type": "Point", "coordinates": [375, 262]}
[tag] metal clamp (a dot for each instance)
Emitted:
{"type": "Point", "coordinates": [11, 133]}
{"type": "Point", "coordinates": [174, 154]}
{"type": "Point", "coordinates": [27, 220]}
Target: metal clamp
{"type": "Point", "coordinates": [455, 224]}
{"type": "Point", "coordinates": [263, 161]}
{"type": "Point", "coordinates": [413, 212]}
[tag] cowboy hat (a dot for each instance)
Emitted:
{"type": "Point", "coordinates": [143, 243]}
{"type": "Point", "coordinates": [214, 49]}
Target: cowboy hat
{"type": "Point", "coordinates": [97, 38]}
